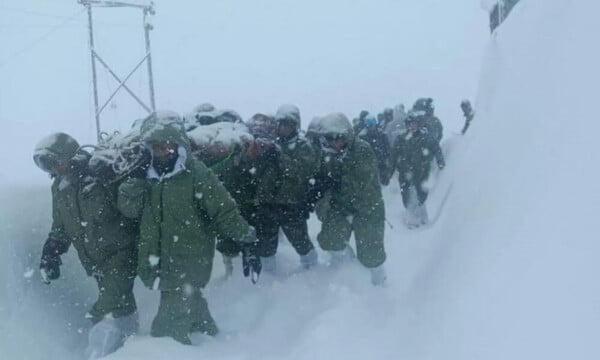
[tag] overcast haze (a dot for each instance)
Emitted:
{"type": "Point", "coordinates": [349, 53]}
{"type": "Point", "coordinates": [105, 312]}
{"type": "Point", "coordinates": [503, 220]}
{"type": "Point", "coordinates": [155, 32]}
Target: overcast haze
{"type": "Point", "coordinates": [251, 56]}
{"type": "Point", "coordinates": [506, 269]}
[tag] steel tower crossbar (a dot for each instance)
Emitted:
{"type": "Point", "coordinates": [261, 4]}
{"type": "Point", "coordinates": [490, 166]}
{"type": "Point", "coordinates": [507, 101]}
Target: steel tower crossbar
{"type": "Point", "coordinates": [147, 10]}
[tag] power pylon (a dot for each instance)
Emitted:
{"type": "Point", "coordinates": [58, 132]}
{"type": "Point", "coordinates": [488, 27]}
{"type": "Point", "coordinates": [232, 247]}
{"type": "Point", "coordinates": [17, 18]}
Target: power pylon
{"type": "Point", "coordinates": [147, 10]}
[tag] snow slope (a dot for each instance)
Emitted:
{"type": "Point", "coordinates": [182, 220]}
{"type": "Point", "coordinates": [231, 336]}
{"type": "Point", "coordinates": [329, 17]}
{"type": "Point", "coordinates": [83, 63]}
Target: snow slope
{"type": "Point", "coordinates": [515, 270]}
{"type": "Point", "coordinates": [507, 272]}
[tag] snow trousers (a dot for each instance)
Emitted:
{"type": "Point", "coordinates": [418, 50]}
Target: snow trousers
{"type": "Point", "coordinates": [407, 196]}
{"type": "Point", "coordinates": [182, 312]}
{"type": "Point", "coordinates": [115, 287]}
{"type": "Point", "coordinates": [337, 228]}
{"type": "Point", "coordinates": [291, 219]}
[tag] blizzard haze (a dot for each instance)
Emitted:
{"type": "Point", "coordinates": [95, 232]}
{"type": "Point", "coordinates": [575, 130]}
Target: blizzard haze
{"type": "Point", "coordinates": [250, 56]}
{"type": "Point", "coordinates": [507, 270]}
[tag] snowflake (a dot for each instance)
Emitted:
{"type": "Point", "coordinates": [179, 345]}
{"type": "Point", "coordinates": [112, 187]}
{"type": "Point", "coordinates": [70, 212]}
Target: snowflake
{"type": "Point", "coordinates": [29, 273]}
{"type": "Point", "coordinates": [153, 260]}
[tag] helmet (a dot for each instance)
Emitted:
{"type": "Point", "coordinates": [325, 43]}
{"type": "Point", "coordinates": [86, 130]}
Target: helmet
{"type": "Point", "coordinates": [415, 116]}
{"type": "Point", "coordinates": [228, 116]}
{"type": "Point", "coordinates": [262, 126]}
{"type": "Point", "coordinates": [53, 150]}
{"type": "Point", "coordinates": [424, 104]}
{"type": "Point", "coordinates": [204, 107]}
{"type": "Point", "coordinates": [465, 105]}
{"type": "Point", "coordinates": [289, 113]}
{"type": "Point", "coordinates": [206, 118]}
{"type": "Point", "coordinates": [314, 127]}
{"type": "Point", "coordinates": [370, 121]}
{"type": "Point", "coordinates": [336, 125]}
{"type": "Point", "coordinates": [203, 114]}
{"type": "Point", "coordinates": [164, 126]}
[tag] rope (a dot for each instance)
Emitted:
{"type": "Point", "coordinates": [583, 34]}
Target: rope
{"type": "Point", "coordinates": [216, 167]}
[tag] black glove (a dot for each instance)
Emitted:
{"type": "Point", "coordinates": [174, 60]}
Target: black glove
{"type": "Point", "coordinates": [50, 268]}
{"type": "Point", "coordinates": [50, 263]}
{"type": "Point", "coordinates": [251, 262]}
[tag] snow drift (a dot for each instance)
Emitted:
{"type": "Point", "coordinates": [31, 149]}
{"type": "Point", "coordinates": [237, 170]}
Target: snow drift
{"type": "Point", "coordinates": [507, 272]}
{"type": "Point", "coordinates": [513, 268]}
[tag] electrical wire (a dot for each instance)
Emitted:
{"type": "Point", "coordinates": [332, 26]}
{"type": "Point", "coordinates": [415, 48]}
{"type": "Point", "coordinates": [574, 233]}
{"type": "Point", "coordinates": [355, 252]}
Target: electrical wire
{"type": "Point", "coordinates": [31, 12]}
{"type": "Point", "coordinates": [53, 16]}
{"type": "Point", "coordinates": [39, 40]}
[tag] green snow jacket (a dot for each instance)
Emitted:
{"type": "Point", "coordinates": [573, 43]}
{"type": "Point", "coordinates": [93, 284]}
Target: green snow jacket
{"type": "Point", "coordinates": [238, 176]}
{"type": "Point", "coordinates": [357, 190]}
{"type": "Point", "coordinates": [180, 213]}
{"type": "Point", "coordinates": [353, 203]}
{"type": "Point", "coordinates": [85, 214]}
{"type": "Point", "coordinates": [434, 127]}
{"type": "Point", "coordinates": [298, 164]}
{"type": "Point", "coordinates": [412, 155]}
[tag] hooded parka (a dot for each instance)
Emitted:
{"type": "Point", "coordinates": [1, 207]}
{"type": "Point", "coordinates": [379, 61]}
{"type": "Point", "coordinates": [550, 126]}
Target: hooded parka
{"type": "Point", "coordinates": [180, 212]}
{"type": "Point", "coordinates": [354, 203]}
{"type": "Point", "coordinates": [85, 214]}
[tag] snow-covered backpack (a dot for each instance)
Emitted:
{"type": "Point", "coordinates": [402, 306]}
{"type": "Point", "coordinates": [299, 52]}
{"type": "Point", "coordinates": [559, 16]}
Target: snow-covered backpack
{"type": "Point", "coordinates": [118, 156]}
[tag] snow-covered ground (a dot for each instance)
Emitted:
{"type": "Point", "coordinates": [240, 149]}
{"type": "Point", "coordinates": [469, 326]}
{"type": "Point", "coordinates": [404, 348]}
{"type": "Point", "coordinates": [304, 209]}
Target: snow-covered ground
{"type": "Point", "coordinates": [509, 271]}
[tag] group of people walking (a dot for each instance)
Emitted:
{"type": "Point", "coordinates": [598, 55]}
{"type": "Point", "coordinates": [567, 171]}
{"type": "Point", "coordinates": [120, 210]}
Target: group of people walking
{"type": "Point", "coordinates": [408, 143]}
{"type": "Point", "coordinates": [157, 202]}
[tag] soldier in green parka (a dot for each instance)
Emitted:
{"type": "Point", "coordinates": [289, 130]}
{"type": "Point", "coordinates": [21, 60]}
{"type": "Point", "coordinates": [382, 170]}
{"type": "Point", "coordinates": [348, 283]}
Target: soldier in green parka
{"type": "Point", "coordinates": [236, 174]}
{"type": "Point", "coordinates": [412, 155]}
{"type": "Point", "coordinates": [429, 121]}
{"type": "Point", "coordinates": [224, 148]}
{"type": "Point", "coordinates": [468, 113]}
{"type": "Point", "coordinates": [181, 205]}
{"type": "Point", "coordinates": [353, 201]}
{"type": "Point", "coordinates": [283, 203]}
{"type": "Point", "coordinates": [85, 215]}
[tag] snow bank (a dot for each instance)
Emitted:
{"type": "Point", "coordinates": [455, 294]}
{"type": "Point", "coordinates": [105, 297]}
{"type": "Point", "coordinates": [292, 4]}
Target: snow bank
{"type": "Point", "coordinates": [514, 268]}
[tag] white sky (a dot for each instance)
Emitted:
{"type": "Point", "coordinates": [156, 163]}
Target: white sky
{"type": "Point", "coordinates": [251, 56]}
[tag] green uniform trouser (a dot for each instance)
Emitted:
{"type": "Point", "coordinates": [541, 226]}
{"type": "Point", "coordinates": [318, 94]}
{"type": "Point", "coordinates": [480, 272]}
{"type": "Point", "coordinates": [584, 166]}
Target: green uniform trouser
{"type": "Point", "coordinates": [291, 219]}
{"type": "Point", "coordinates": [181, 313]}
{"type": "Point", "coordinates": [115, 287]}
{"type": "Point", "coordinates": [368, 233]}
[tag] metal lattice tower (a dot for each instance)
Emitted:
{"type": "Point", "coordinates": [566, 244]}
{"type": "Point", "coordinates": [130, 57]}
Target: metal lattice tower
{"type": "Point", "coordinates": [147, 10]}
